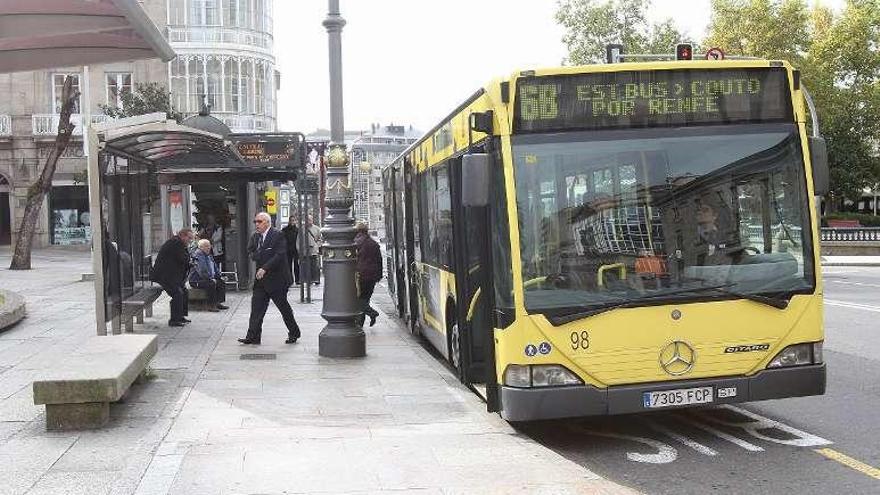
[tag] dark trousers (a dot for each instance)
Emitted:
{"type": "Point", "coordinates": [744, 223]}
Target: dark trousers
{"type": "Point", "coordinates": [215, 289]}
{"type": "Point", "coordinates": [365, 292]}
{"type": "Point", "coordinates": [179, 304]}
{"type": "Point", "coordinates": [260, 303]}
{"type": "Point", "coordinates": [293, 258]}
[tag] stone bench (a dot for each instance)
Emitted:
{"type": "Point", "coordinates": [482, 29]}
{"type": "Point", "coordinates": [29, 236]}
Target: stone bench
{"type": "Point", "coordinates": [78, 391]}
{"type": "Point", "coordinates": [136, 306]}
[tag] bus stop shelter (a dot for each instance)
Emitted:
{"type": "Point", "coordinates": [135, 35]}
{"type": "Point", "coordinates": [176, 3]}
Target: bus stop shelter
{"type": "Point", "coordinates": [128, 160]}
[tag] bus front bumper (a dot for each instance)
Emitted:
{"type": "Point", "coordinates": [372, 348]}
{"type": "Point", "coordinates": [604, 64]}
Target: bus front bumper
{"type": "Point", "coordinates": [528, 404]}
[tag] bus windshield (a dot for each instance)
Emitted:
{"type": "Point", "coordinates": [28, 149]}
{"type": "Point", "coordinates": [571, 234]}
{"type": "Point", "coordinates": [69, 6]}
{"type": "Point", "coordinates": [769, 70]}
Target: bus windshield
{"type": "Point", "coordinates": [619, 217]}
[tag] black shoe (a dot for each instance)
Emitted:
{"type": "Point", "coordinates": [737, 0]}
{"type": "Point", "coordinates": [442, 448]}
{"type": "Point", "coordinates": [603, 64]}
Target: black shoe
{"type": "Point", "coordinates": [186, 320]}
{"type": "Point", "coordinates": [291, 340]}
{"type": "Point", "coordinates": [176, 323]}
{"type": "Point", "coordinates": [249, 342]}
{"type": "Point", "coordinates": [222, 306]}
{"type": "Point", "coordinates": [373, 319]}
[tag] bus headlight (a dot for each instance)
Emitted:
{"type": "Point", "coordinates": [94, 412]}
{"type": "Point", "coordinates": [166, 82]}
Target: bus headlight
{"type": "Point", "coordinates": [517, 375]}
{"type": "Point", "coordinates": [539, 375]}
{"type": "Point", "coordinates": [798, 355]}
{"type": "Point", "coordinates": [553, 375]}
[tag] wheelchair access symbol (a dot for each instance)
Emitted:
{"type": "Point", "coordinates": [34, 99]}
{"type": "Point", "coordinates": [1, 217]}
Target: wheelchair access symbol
{"type": "Point", "coordinates": [544, 348]}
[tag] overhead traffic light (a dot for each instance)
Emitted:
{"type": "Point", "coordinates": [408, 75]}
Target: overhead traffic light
{"type": "Point", "coordinates": [684, 51]}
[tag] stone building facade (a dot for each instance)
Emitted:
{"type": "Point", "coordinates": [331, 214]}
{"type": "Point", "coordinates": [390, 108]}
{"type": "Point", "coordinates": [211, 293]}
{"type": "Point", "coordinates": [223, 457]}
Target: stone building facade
{"type": "Point", "coordinates": [225, 54]}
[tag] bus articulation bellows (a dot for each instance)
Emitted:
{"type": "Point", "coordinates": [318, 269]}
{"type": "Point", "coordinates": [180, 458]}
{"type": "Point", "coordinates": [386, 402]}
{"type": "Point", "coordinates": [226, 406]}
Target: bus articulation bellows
{"type": "Point", "coordinates": [617, 238]}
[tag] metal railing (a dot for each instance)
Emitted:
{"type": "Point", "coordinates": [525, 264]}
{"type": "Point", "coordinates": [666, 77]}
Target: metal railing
{"type": "Point", "coordinates": [850, 234]}
{"type": "Point", "coordinates": [215, 34]}
{"type": "Point", "coordinates": [46, 124]}
{"type": "Point", "coordinates": [5, 125]}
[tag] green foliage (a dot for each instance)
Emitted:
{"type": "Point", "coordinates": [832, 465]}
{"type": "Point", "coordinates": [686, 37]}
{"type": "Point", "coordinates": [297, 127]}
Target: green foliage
{"type": "Point", "coordinates": [839, 56]}
{"type": "Point", "coordinates": [590, 25]}
{"type": "Point", "coordinates": [146, 98]}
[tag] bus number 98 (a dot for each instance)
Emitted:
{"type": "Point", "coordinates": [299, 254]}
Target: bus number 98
{"type": "Point", "coordinates": [580, 340]}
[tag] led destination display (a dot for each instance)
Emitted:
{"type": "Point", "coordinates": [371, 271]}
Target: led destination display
{"type": "Point", "coordinates": [652, 98]}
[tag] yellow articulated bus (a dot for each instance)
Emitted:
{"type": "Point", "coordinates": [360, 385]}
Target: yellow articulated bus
{"type": "Point", "coordinates": [617, 238]}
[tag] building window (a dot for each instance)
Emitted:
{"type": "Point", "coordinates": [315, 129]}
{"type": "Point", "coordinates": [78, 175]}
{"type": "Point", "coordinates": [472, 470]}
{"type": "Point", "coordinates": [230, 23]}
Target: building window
{"type": "Point", "coordinates": [247, 86]}
{"type": "Point", "coordinates": [259, 91]}
{"type": "Point", "coordinates": [230, 13]}
{"type": "Point", "coordinates": [232, 89]}
{"type": "Point", "coordinates": [118, 84]}
{"type": "Point", "coordinates": [215, 96]}
{"type": "Point", "coordinates": [58, 88]}
{"type": "Point", "coordinates": [69, 215]}
{"type": "Point", "coordinates": [196, 84]}
{"type": "Point", "coordinates": [177, 13]}
{"type": "Point", "coordinates": [178, 84]}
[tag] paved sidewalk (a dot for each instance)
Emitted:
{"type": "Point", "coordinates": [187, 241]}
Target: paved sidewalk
{"type": "Point", "coordinates": [850, 260]}
{"type": "Point", "coordinates": [212, 422]}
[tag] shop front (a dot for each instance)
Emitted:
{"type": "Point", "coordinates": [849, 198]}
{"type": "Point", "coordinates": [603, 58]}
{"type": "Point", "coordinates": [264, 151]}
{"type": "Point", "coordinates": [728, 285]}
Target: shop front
{"type": "Point", "coordinates": [69, 218]}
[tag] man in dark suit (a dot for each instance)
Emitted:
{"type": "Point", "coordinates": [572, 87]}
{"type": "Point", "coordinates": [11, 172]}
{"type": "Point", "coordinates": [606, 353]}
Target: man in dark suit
{"type": "Point", "coordinates": [268, 249]}
{"type": "Point", "coordinates": [169, 271]}
{"type": "Point", "coordinates": [369, 271]}
{"type": "Point", "coordinates": [291, 233]}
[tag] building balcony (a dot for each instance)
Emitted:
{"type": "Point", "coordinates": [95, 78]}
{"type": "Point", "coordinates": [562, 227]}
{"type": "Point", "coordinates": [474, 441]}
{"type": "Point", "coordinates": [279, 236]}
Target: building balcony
{"type": "Point", "coordinates": [246, 123]}
{"type": "Point", "coordinates": [5, 125]}
{"type": "Point", "coordinates": [46, 124]}
{"type": "Point", "coordinates": [212, 35]}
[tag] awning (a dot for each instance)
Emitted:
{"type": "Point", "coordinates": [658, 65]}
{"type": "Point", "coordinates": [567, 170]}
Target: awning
{"type": "Point", "coordinates": [42, 34]}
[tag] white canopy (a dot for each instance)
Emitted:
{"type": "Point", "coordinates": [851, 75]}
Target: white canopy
{"type": "Point", "coordinates": [41, 34]}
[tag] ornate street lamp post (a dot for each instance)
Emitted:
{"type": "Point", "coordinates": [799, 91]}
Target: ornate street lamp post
{"type": "Point", "coordinates": [341, 337]}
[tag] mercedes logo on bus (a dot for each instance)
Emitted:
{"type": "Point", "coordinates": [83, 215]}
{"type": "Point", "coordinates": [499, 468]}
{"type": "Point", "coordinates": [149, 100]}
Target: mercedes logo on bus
{"type": "Point", "coordinates": [677, 358]}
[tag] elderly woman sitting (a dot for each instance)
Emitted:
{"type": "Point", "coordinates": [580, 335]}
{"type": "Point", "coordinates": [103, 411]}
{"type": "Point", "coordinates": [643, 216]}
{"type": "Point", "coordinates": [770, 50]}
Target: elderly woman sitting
{"type": "Point", "coordinates": [205, 275]}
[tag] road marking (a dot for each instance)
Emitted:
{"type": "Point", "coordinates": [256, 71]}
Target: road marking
{"type": "Point", "coordinates": [844, 304]}
{"type": "Point", "coordinates": [681, 438]}
{"type": "Point", "coordinates": [853, 283]}
{"type": "Point", "coordinates": [730, 438]}
{"type": "Point", "coordinates": [758, 423]}
{"type": "Point", "coordinates": [850, 462]}
{"type": "Point", "coordinates": [665, 453]}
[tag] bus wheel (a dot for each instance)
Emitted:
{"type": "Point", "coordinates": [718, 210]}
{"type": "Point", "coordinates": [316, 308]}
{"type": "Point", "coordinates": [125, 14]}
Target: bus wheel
{"type": "Point", "coordinates": [455, 345]}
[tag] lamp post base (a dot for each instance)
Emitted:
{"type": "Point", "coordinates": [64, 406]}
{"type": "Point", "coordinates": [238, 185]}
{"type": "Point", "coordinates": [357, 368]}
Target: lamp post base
{"type": "Point", "coordinates": [338, 340]}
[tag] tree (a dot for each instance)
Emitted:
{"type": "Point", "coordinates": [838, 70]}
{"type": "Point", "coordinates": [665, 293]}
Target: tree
{"type": "Point", "coordinates": [590, 25]}
{"type": "Point", "coordinates": [840, 63]}
{"type": "Point", "coordinates": [146, 98]}
{"type": "Point", "coordinates": [21, 256]}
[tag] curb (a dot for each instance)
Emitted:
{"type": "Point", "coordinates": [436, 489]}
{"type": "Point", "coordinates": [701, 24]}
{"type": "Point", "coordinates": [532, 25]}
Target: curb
{"type": "Point", "coordinates": [12, 308]}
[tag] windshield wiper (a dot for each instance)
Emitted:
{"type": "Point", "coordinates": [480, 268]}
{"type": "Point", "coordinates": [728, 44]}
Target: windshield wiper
{"type": "Point", "coordinates": [776, 302]}
{"type": "Point", "coordinates": [562, 317]}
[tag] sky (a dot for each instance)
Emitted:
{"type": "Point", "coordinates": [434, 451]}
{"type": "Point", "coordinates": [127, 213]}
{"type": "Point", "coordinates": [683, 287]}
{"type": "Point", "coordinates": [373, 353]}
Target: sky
{"type": "Point", "coordinates": [412, 62]}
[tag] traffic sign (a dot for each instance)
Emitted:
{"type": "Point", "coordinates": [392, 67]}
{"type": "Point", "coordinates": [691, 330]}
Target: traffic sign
{"type": "Point", "coordinates": [715, 54]}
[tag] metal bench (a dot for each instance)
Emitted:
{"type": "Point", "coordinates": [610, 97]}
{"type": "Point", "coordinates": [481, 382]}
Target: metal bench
{"type": "Point", "coordinates": [78, 390]}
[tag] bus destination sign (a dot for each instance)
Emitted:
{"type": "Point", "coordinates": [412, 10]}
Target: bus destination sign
{"type": "Point", "coordinates": [279, 149]}
{"type": "Point", "coordinates": [613, 100]}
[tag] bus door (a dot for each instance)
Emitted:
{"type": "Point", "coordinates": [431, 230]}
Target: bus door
{"type": "Point", "coordinates": [413, 278]}
{"type": "Point", "coordinates": [470, 228]}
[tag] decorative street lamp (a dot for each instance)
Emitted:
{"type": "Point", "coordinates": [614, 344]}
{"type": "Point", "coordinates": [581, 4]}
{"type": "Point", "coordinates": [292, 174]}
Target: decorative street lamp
{"type": "Point", "coordinates": [341, 337]}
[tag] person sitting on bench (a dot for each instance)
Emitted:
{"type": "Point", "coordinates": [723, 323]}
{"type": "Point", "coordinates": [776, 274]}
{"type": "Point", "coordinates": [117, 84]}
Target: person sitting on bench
{"type": "Point", "coordinates": [205, 275]}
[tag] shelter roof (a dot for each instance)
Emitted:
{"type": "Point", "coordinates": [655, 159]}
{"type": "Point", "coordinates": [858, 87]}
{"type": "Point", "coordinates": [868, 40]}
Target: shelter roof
{"type": "Point", "coordinates": [42, 34]}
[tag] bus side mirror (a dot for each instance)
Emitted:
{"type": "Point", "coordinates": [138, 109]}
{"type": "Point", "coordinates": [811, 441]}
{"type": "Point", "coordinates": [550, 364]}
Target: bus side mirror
{"type": "Point", "coordinates": [819, 161]}
{"type": "Point", "coordinates": [475, 179]}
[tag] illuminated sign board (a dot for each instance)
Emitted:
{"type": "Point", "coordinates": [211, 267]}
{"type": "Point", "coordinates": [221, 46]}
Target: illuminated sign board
{"type": "Point", "coordinates": [609, 100]}
{"type": "Point", "coordinates": [282, 150]}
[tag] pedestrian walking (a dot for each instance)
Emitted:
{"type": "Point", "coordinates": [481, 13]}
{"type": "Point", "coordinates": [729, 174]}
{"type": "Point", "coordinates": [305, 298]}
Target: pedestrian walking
{"type": "Point", "coordinates": [205, 275]}
{"type": "Point", "coordinates": [369, 271]}
{"type": "Point", "coordinates": [313, 251]}
{"type": "Point", "coordinates": [268, 249]}
{"type": "Point", "coordinates": [291, 232]}
{"type": "Point", "coordinates": [170, 269]}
